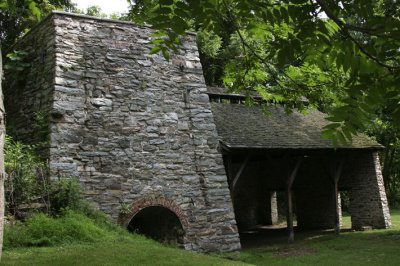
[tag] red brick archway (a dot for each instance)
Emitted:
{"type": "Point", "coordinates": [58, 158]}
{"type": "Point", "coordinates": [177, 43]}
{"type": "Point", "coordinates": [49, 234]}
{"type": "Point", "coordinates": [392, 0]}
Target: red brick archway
{"type": "Point", "coordinates": [148, 202]}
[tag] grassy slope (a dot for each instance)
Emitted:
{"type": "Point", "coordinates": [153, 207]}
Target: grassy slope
{"type": "Point", "coordinates": [134, 251]}
{"type": "Point", "coordinates": [75, 239]}
{"type": "Point", "coordinates": [110, 254]}
{"type": "Point", "coordinates": [376, 247]}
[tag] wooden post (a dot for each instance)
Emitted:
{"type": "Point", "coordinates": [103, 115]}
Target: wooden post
{"type": "Point", "coordinates": [289, 214]}
{"type": "Point", "coordinates": [337, 220]}
{"type": "Point", "coordinates": [289, 204]}
{"type": "Point", "coordinates": [335, 173]}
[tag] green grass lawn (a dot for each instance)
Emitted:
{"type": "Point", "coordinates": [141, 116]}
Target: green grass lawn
{"type": "Point", "coordinates": [375, 247]}
{"type": "Point", "coordinates": [125, 252]}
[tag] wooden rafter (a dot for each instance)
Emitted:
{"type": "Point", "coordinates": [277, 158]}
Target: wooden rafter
{"type": "Point", "coordinates": [239, 173]}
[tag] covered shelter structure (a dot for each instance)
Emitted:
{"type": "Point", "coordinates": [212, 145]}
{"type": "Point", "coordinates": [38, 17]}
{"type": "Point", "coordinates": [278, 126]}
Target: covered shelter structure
{"type": "Point", "coordinates": [265, 153]}
{"type": "Point", "coordinates": [140, 135]}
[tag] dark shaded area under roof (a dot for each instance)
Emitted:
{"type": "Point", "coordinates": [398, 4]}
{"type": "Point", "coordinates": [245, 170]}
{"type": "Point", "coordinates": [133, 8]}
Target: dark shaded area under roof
{"type": "Point", "coordinates": [241, 126]}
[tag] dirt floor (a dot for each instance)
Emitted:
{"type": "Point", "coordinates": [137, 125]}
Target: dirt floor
{"type": "Point", "coordinates": [265, 235]}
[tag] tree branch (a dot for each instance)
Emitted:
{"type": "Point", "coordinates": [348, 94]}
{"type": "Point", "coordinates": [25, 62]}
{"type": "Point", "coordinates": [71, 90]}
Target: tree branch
{"type": "Point", "coordinates": [346, 28]}
{"type": "Point", "coordinates": [233, 20]}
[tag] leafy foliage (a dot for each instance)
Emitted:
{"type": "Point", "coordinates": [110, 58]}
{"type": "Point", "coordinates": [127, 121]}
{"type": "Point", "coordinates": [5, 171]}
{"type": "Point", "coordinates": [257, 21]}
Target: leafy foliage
{"type": "Point", "coordinates": [341, 57]}
{"type": "Point", "coordinates": [389, 135]}
{"type": "Point", "coordinates": [16, 63]}
{"type": "Point", "coordinates": [27, 180]}
{"type": "Point", "coordinates": [28, 187]}
{"type": "Point", "coordinates": [63, 217]}
{"type": "Point", "coordinates": [65, 194]}
{"type": "Point", "coordinates": [278, 42]}
{"type": "Point", "coordinates": [18, 16]}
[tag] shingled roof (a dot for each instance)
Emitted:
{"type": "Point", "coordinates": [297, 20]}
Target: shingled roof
{"type": "Point", "coordinates": [241, 126]}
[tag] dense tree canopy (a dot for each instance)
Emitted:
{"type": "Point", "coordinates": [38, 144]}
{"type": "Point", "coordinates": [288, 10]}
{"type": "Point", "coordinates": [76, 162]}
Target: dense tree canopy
{"type": "Point", "coordinates": [18, 16]}
{"type": "Point", "coordinates": [342, 56]}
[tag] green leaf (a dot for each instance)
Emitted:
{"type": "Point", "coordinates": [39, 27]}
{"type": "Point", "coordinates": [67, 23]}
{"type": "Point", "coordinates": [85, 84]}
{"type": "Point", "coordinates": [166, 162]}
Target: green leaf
{"type": "Point", "coordinates": [34, 10]}
{"type": "Point", "coordinates": [296, 44]}
{"type": "Point", "coordinates": [155, 49]}
{"type": "Point", "coordinates": [178, 25]}
{"type": "Point", "coordinates": [332, 126]}
{"type": "Point", "coordinates": [282, 58]}
{"type": "Point", "coordinates": [348, 133]}
{"type": "Point", "coordinates": [277, 14]}
{"type": "Point", "coordinates": [182, 13]}
{"type": "Point", "coordinates": [299, 1]}
{"type": "Point", "coordinates": [284, 14]}
{"type": "Point", "coordinates": [166, 2]}
{"type": "Point", "coordinates": [182, 5]}
{"type": "Point", "coordinates": [341, 138]}
{"type": "Point", "coordinates": [164, 10]}
{"type": "Point", "coordinates": [3, 5]}
{"type": "Point", "coordinates": [340, 59]}
{"type": "Point", "coordinates": [325, 38]}
{"type": "Point", "coordinates": [165, 53]}
{"type": "Point", "coordinates": [334, 119]}
{"type": "Point", "coordinates": [327, 134]}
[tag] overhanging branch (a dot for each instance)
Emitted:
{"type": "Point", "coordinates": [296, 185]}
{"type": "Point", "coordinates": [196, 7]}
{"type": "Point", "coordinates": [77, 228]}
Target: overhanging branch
{"type": "Point", "coordinates": [346, 28]}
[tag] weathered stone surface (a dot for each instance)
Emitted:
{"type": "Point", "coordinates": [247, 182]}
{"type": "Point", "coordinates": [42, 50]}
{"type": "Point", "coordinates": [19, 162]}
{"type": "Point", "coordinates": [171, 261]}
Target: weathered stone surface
{"type": "Point", "coordinates": [119, 123]}
{"type": "Point", "coordinates": [368, 202]}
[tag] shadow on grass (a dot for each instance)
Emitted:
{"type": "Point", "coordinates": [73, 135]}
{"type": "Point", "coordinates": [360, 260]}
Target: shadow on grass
{"type": "Point", "coordinates": [268, 246]}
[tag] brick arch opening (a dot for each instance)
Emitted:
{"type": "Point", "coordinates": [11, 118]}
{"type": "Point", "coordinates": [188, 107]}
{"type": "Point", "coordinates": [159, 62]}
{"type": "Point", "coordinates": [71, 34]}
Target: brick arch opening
{"type": "Point", "coordinates": [157, 218]}
{"type": "Point", "coordinates": [158, 223]}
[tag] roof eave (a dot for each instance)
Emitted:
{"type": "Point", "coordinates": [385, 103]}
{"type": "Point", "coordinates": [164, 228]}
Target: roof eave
{"type": "Point", "coordinates": [247, 147]}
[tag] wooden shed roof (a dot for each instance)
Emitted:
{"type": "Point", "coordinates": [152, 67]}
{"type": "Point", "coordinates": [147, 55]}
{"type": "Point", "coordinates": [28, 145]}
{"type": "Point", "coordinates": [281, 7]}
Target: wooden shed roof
{"type": "Point", "coordinates": [241, 126]}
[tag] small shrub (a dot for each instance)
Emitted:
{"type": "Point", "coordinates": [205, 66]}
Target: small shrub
{"type": "Point", "coordinates": [43, 230]}
{"type": "Point", "coordinates": [65, 193]}
{"type": "Point", "coordinates": [124, 209]}
{"type": "Point", "coordinates": [27, 180]}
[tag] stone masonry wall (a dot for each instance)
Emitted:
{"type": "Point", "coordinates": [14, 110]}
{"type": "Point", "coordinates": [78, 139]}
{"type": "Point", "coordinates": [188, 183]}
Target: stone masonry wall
{"type": "Point", "coordinates": [120, 124]}
{"type": "Point", "coordinates": [368, 202]}
{"type": "Point", "coordinates": [28, 94]}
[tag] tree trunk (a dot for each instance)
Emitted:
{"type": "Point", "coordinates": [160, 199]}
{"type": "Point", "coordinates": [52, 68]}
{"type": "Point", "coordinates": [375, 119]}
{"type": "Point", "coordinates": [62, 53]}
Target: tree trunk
{"type": "Point", "coordinates": [2, 135]}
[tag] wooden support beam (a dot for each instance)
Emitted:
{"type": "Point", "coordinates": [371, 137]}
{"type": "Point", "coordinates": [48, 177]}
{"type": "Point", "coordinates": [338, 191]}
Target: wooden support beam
{"type": "Point", "coordinates": [293, 174]}
{"type": "Point", "coordinates": [335, 174]}
{"type": "Point", "coordinates": [337, 215]}
{"type": "Point", "coordinates": [289, 214]}
{"type": "Point", "coordinates": [239, 173]}
{"type": "Point", "coordinates": [289, 203]}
